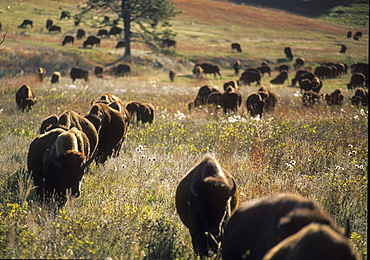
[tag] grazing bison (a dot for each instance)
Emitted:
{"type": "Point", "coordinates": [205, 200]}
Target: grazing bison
{"type": "Point", "coordinates": [57, 160]}
{"type": "Point", "coordinates": [269, 97]}
{"type": "Point", "coordinates": [349, 34]}
{"type": "Point", "coordinates": [113, 129]}
{"type": "Point", "coordinates": [172, 75]}
{"type": "Point", "coordinates": [103, 32]}
{"type": "Point", "coordinates": [80, 34]}
{"type": "Point", "coordinates": [282, 67]}
{"type": "Point", "coordinates": [281, 78]}
{"type": "Point", "coordinates": [314, 241]}
{"type": "Point", "coordinates": [359, 67]}
{"type": "Point", "coordinates": [250, 76]}
{"type": "Point", "coordinates": [343, 49]}
{"type": "Point", "coordinates": [122, 70]}
{"type": "Point", "coordinates": [54, 28]}
{"type": "Point", "coordinates": [166, 43]}
{"type": "Point", "coordinates": [49, 23]}
{"type": "Point", "coordinates": [357, 80]}
{"type": "Point", "coordinates": [214, 99]}
{"type": "Point", "coordinates": [361, 97]}
{"type": "Point", "coordinates": [323, 72]}
{"type": "Point", "coordinates": [65, 14]}
{"type": "Point", "coordinates": [288, 53]}
{"type": "Point", "coordinates": [25, 98]}
{"type": "Point", "coordinates": [231, 83]}
{"type": "Point", "coordinates": [25, 23]}
{"type": "Point", "coordinates": [299, 63]}
{"type": "Point", "coordinates": [335, 98]}
{"type": "Point", "coordinates": [197, 71]}
{"type": "Point", "coordinates": [231, 100]}
{"type": "Point", "coordinates": [98, 71]}
{"type": "Point", "coordinates": [316, 84]}
{"type": "Point", "coordinates": [255, 104]}
{"type": "Point", "coordinates": [236, 46]}
{"type": "Point", "coordinates": [91, 40]}
{"type": "Point", "coordinates": [115, 31]}
{"type": "Point", "coordinates": [55, 77]}
{"type": "Point", "coordinates": [120, 44]}
{"type": "Point", "coordinates": [205, 197]}
{"type": "Point", "coordinates": [310, 98]}
{"type": "Point", "coordinates": [265, 69]}
{"type": "Point", "coordinates": [77, 73]}
{"type": "Point", "coordinates": [257, 226]}
{"type": "Point", "coordinates": [298, 76]}
{"type": "Point", "coordinates": [201, 97]}
{"type": "Point", "coordinates": [41, 74]}
{"type": "Point", "coordinates": [144, 111]}
{"type": "Point", "coordinates": [208, 69]}
{"type": "Point", "coordinates": [68, 39]}
{"type": "Point", "coordinates": [237, 66]}
{"type": "Point", "coordinates": [357, 36]}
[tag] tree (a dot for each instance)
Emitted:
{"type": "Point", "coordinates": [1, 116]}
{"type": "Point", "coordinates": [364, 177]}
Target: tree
{"type": "Point", "coordinates": [145, 20]}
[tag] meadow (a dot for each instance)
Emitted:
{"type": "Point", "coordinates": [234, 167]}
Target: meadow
{"type": "Point", "coordinates": [126, 209]}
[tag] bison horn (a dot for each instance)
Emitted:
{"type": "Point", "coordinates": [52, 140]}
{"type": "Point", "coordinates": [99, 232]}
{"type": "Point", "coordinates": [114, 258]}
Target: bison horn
{"type": "Point", "coordinates": [53, 160]}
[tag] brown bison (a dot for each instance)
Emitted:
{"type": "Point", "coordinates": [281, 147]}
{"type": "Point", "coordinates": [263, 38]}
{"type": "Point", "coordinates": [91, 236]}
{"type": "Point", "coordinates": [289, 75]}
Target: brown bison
{"type": "Point", "coordinates": [55, 77]}
{"type": "Point", "coordinates": [288, 53]}
{"type": "Point", "coordinates": [359, 67]}
{"type": "Point", "coordinates": [357, 80]}
{"type": "Point", "coordinates": [77, 73]}
{"type": "Point", "coordinates": [357, 36]}
{"type": "Point", "coordinates": [281, 78]}
{"type": "Point", "coordinates": [236, 46]}
{"type": "Point", "coordinates": [41, 74]}
{"type": "Point", "coordinates": [298, 76]}
{"type": "Point", "coordinates": [25, 23]}
{"type": "Point", "coordinates": [56, 161]}
{"type": "Point", "coordinates": [198, 71]}
{"type": "Point", "coordinates": [343, 49]}
{"type": "Point", "coordinates": [49, 23]}
{"type": "Point", "coordinates": [120, 44]}
{"type": "Point", "coordinates": [115, 31]}
{"type": "Point", "coordinates": [323, 72]}
{"type": "Point", "coordinates": [54, 28]}
{"type": "Point", "coordinates": [172, 75]}
{"type": "Point", "coordinates": [98, 71]}
{"type": "Point", "coordinates": [314, 241]}
{"type": "Point", "coordinates": [201, 97]}
{"type": "Point", "coordinates": [310, 98]}
{"type": "Point", "coordinates": [214, 99]}
{"type": "Point", "coordinates": [361, 97]}
{"type": "Point", "coordinates": [231, 100]}
{"type": "Point", "coordinates": [257, 226]}
{"type": "Point", "coordinates": [265, 69]}
{"type": "Point", "coordinates": [231, 83]}
{"type": "Point", "coordinates": [282, 67]}
{"type": "Point", "coordinates": [122, 70]}
{"type": "Point", "coordinates": [102, 32]}
{"type": "Point", "coordinates": [68, 39]}
{"type": "Point", "coordinates": [80, 34]}
{"type": "Point", "coordinates": [209, 69]}
{"type": "Point", "coordinates": [91, 41]}
{"type": "Point", "coordinates": [334, 99]}
{"type": "Point", "coordinates": [112, 127]}
{"type": "Point", "coordinates": [349, 34]}
{"type": "Point", "coordinates": [250, 76]}
{"type": "Point", "coordinates": [65, 14]}
{"type": "Point", "coordinates": [299, 63]}
{"type": "Point", "coordinates": [166, 43]}
{"type": "Point", "coordinates": [255, 104]}
{"type": "Point", "coordinates": [237, 66]}
{"type": "Point", "coordinates": [25, 98]}
{"type": "Point", "coordinates": [144, 111]}
{"type": "Point", "coordinates": [269, 97]}
{"type": "Point", "coordinates": [205, 197]}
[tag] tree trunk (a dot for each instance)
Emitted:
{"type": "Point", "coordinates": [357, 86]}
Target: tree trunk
{"type": "Point", "coordinates": [126, 28]}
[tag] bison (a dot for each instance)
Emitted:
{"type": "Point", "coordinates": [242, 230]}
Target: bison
{"type": "Point", "coordinates": [166, 43]}
{"type": "Point", "coordinates": [64, 14]}
{"type": "Point", "coordinates": [282, 67]}
{"type": "Point", "coordinates": [112, 126]}
{"type": "Point", "coordinates": [91, 40]}
{"type": "Point", "coordinates": [25, 23]}
{"type": "Point", "coordinates": [198, 71]}
{"type": "Point", "coordinates": [335, 98]}
{"type": "Point", "coordinates": [122, 70]}
{"type": "Point", "coordinates": [281, 78]}
{"type": "Point", "coordinates": [323, 72]}
{"type": "Point", "coordinates": [255, 104]}
{"type": "Point", "coordinates": [102, 32]}
{"type": "Point", "coordinates": [265, 69]}
{"type": "Point", "coordinates": [201, 97]}
{"type": "Point", "coordinates": [49, 23]}
{"type": "Point", "coordinates": [237, 66]}
{"type": "Point", "coordinates": [357, 80]}
{"type": "Point", "coordinates": [55, 77]}
{"type": "Point", "coordinates": [288, 53]}
{"type": "Point", "coordinates": [56, 161]}
{"type": "Point", "coordinates": [120, 44]}
{"type": "Point", "coordinates": [25, 98]}
{"type": "Point", "coordinates": [68, 39]}
{"type": "Point", "coordinates": [80, 34]}
{"type": "Point", "coordinates": [236, 46]}
{"type": "Point", "coordinates": [209, 69]}
{"type": "Point", "coordinates": [41, 74]}
{"type": "Point", "coordinates": [231, 100]}
{"type": "Point", "coordinates": [310, 98]}
{"type": "Point", "coordinates": [98, 71]}
{"type": "Point", "coordinates": [299, 63]}
{"type": "Point", "coordinates": [257, 226]}
{"type": "Point", "coordinates": [54, 28]}
{"type": "Point", "coordinates": [361, 97]}
{"type": "Point", "coordinates": [205, 197]}
{"type": "Point", "coordinates": [231, 83]}
{"type": "Point", "coordinates": [77, 73]}
{"type": "Point", "coordinates": [115, 31]}
{"type": "Point", "coordinates": [172, 75]}
{"type": "Point", "coordinates": [349, 34]}
{"type": "Point", "coordinates": [359, 67]}
{"type": "Point", "coordinates": [250, 76]}
{"type": "Point", "coordinates": [144, 111]}
{"type": "Point", "coordinates": [343, 49]}
{"type": "Point", "coordinates": [269, 97]}
{"type": "Point", "coordinates": [314, 241]}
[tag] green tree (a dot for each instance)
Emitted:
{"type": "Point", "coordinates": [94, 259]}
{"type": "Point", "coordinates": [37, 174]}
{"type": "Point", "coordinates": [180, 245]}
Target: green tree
{"type": "Point", "coordinates": [146, 21]}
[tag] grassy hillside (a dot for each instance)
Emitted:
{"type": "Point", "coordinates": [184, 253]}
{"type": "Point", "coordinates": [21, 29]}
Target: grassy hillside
{"type": "Point", "coordinates": [126, 209]}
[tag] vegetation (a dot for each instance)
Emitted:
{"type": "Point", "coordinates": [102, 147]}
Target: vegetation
{"type": "Point", "coordinates": [126, 209]}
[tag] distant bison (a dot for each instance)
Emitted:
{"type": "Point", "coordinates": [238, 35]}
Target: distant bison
{"type": "Point", "coordinates": [257, 226]}
{"type": "Point", "coordinates": [288, 53]}
{"type": "Point", "coordinates": [80, 34]}
{"type": "Point", "coordinates": [334, 99]}
{"type": "Point", "coordinates": [361, 97]}
{"type": "Point", "coordinates": [236, 46]}
{"type": "Point", "coordinates": [54, 28]}
{"type": "Point", "coordinates": [359, 67]}
{"type": "Point", "coordinates": [198, 71]}
{"type": "Point", "coordinates": [25, 98]}
{"type": "Point", "coordinates": [269, 97]}
{"type": "Point", "coordinates": [25, 23]}
{"type": "Point", "coordinates": [265, 69]}
{"type": "Point", "coordinates": [122, 70]}
{"type": "Point", "coordinates": [323, 72]}
{"type": "Point", "coordinates": [68, 39]}
{"type": "Point", "coordinates": [255, 104]}
{"type": "Point", "coordinates": [144, 111]}
{"type": "Point", "coordinates": [55, 77]}
{"type": "Point", "coordinates": [41, 74]}
{"type": "Point", "coordinates": [314, 241]}
{"type": "Point", "coordinates": [349, 34]}
{"type": "Point", "coordinates": [357, 80]}
{"type": "Point", "coordinates": [115, 31]}
{"type": "Point", "coordinates": [77, 73]}
{"type": "Point", "coordinates": [250, 76]}
{"type": "Point", "coordinates": [237, 66]}
{"type": "Point", "coordinates": [299, 63]}
{"type": "Point", "coordinates": [166, 43]}
{"type": "Point", "coordinates": [282, 67]}
{"type": "Point", "coordinates": [205, 198]}
{"type": "Point", "coordinates": [120, 44]}
{"type": "Point", "coordinates": [102, 32]}
{"type": "Point", "coordinates": [98, 71]}
{"type": "Point", "coordinates": [209, 69]}
{"type": "Point", "coordinates": [357, 36]}
{"type": "Point", "coordinates": [311, 98]}
{"type": "Point", "coordinates": [49, 23]}
{"type": "Point", "coordinates": [281, 78]}
{"type": "Point", "coordinates": [343, 48]}
{"type": "Point", "coordinates": [172, 75]}
{"type": "Point", "coordinates": [91, 41]}
{"type": "Point", "coordinates": [231, 83]}
{"type": "Point", "coordinates": [202, 96]}
{"type": "Point", "coordinates": [231, 100]}
{"type": "Point", "coordinates": [64, 14]}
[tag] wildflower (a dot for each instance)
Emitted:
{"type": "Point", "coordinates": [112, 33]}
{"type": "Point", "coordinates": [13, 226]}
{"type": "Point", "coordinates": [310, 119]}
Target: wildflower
{"type": "Point", "coordinates": [143, 156]}
{"type": "Point", "coordinates": [292, 162]}
{"type": "Point", "coordinates": [350, 146]}
{"type": "Point", "coordinates": [123, 165]}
